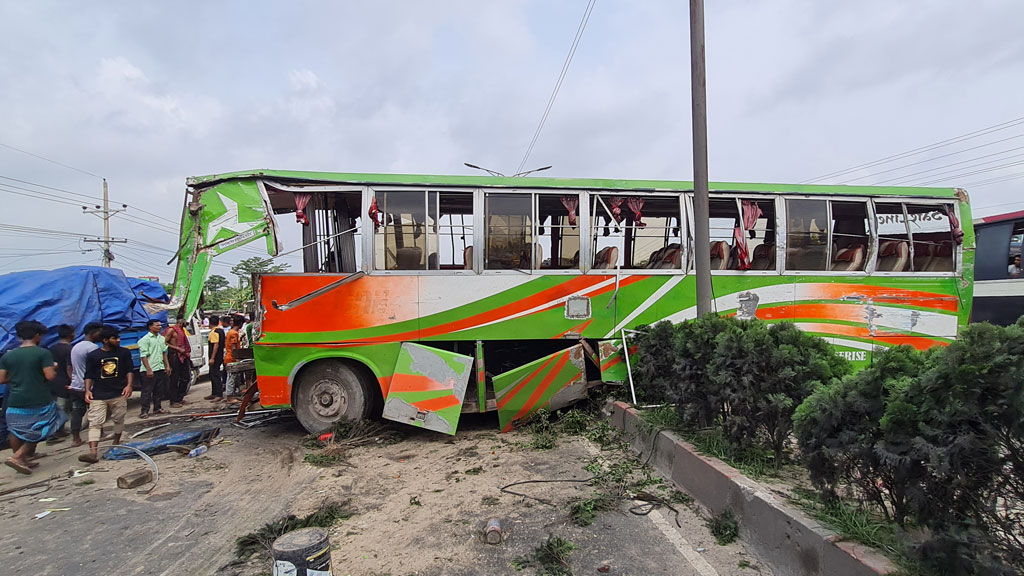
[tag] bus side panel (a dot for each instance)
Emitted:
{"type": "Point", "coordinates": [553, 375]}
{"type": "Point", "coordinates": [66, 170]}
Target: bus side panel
{"type": "Point", "coordinates": [277, 366]}
{"type": "Point", "coordinates": [551, 382]}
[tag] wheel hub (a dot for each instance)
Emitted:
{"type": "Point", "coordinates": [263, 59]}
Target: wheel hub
{"type": "Point", "coordinates": [328, 399]}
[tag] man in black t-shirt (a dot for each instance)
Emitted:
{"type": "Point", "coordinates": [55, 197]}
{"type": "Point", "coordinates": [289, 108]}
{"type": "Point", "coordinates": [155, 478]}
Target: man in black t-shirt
{"type": "Point", "coordinates": [108, 384]}
{"type": "Point", "coordinates": [61, 352]}
{"type": "Point", "coordinates": [216, 352]}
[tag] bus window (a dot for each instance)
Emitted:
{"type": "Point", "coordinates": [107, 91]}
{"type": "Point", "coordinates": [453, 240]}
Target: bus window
{"type": "Point", "coordinates": [849, 236]}
{"type": "Point", "coordinates": [761, 238]}
{"type": "Point", "coordinates": [451, 231]}
{"type": "Point", "coordinates": [806, 234]}
{"type": "Point", "coordinates": [510, 244]}
{"type": "Point", "coordinates": [893, 238]}
{"type": "Point", "coordinates": [724, 217]}
{"type": "Point", "coordinates": [636, 232]}
{"type": "Point", "coordinates": [558, 233]}
{"type": "Point", "coordinates": [932, 238]}
{"type": "Point", "coordinates": [401, 243]}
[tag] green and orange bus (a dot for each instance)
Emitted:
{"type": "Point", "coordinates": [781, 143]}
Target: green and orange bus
{"type": "Point", "coordinates": [423, 297]}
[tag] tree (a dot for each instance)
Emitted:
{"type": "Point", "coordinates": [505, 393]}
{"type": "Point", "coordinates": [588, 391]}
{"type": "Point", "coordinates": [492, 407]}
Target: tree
{"type": "Point", "coordinates": [255, 265]}
{"type": "Point", "coordinates": [216, 282]}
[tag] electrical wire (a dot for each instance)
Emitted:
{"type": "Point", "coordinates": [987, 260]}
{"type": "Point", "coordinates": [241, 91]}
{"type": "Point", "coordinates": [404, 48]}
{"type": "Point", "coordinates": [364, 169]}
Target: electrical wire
{"type": "Point", "coordinates": [997, 180]}
{"type": "Point", "coordinates": [955, 176]}
{"type": "Point", "coordinates": [923, 149]}
{"type": "Point", "coordinates": [14, 190]}
{"type": "Point", "coordinates": [86, 172]}
{"type": "Point", "coordinates": [910, 176]}
{"type": "Point", "coordinates": [937, 158]}
{"type": "Point", "coordinates": [558, 83]}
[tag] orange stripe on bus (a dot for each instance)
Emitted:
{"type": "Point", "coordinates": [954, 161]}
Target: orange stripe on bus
{"type": "Point", "coordinates": [416, 383]}
{"type": "Point", "coordinates": [882, 294]}
{"type": "Point", "coordinates": [274, 390]}
{"type": "Point", "coordinates": [511, 394]}
{"type": "Point", "coordinates": [435, 404]}
{"type": "Point", "coordinates": [539, 391]}
{"type": "Point", "coordinates": [919, 342]}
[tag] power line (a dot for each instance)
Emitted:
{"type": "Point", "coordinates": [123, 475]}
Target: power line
{"type": "Point", "coordinates": [558, 84]}
{"type": "Point", "coordinates": [51, 161]}
{"type": "Point", "coordinates": [13, 190]}
{"type": "Point", "coordinates": [934, 173]}
{"type": "Point", "coordinates": [955, 176]}
{"type": "Point", "coordinates": [957, 153]}
{"type": "Point", "coordinates": [996, 180]}
{"type": "Point", "coordinates": [922, 149]}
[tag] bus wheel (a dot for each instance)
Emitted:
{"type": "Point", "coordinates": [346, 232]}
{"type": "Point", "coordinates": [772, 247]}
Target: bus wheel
{"type": "Point", "coordinates": [329, 391]}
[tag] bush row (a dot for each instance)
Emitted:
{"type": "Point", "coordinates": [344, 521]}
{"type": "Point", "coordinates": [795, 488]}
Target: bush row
{"type": "Point", "coordinates": [929, 438]}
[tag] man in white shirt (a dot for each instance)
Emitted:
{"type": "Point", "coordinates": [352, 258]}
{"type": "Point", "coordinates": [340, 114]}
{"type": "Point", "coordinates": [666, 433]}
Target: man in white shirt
{"type": "Point", "coordinates": [1013, 270]}
{"type": "Point", "coordinates": [90, 341]}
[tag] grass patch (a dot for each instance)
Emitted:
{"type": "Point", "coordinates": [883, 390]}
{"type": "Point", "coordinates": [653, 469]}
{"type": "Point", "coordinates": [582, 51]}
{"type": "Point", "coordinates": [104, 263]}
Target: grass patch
{"type": "Point", "coordinates": [583, 511]}
{"type": "Point", "coordinates": [415, 501]}
{"type": "Point", "coordinates": [260, 541]}
{"type": "Point", "coordinates": [724, 528]}
{"type": "Point", "coordinates": [859, 525]}
{"type": "Point", "coordinates": [661, 418]}
{"type": "Point", "coordinates": [474, 471]}
{"type": "Point", "coordinates": [489, 500]}
{"type": "Point", "coordinates": [322, 459]}
{"type": "Point", "coordinates": [755, 463]}
{"type": "Point", "coordinates": [575, 422]}
{"type": "Point", "coordinates": [550, 558]}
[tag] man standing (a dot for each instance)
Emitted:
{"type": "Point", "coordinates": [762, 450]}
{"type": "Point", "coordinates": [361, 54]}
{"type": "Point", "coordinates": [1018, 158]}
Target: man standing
{"type": "Point", "coordinates": [1013, 270]}
{"type": "Point", "coordinates": [179, 357]}
{"type": "Point", "coordinates": [216, 360]}
{"type": "Point", "coordinates": [32, 415]}
{"type": "Point", "coordinates": [61, 352]}
{"type": "Point", "coordinates": [108, 384]}
{"type": "Point", "coordinates": [90, 341]}
{"type": "Point", "coordinates": [153, 353]}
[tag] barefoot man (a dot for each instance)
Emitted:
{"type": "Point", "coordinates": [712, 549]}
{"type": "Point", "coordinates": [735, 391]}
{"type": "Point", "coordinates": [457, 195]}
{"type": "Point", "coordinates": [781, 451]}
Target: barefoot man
{"type": "Point", "coordinates": [108, 384]}
{"type": "Point", "coordinates": [32, 415]}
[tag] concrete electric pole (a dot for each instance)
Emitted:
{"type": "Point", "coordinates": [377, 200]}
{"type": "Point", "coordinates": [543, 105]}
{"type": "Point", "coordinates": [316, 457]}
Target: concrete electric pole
{"type": "Point", "coordinates": [105, 213]}
{"type": "Point", "coordinates": [701, 219]}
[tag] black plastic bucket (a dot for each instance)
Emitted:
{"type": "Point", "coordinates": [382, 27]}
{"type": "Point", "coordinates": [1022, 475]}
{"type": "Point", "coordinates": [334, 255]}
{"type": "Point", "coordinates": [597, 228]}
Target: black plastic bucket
{"type": "Point", "coordinates": [305, 552]}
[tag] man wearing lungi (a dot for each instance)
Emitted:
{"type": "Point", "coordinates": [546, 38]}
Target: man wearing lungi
{"type": "Point", "coordinates": [32, 415]}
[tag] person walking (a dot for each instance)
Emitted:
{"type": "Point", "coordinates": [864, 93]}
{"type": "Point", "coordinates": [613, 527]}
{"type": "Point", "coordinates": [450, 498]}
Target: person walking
{"type": "Point", "coordinates": [153, 353]}
{"type": "Point", "coordinates": [90, 341]}
{"type": "Point", "coordinates": [59, 386]}
{"type": "Point", "coordinates": [217, 338]}
{"type": "Point", "coordinates": [32, 415]}
{"type": "Point", "coordinates": [108, 384]}
{"type": "Point", "coordinates": [179, 357]}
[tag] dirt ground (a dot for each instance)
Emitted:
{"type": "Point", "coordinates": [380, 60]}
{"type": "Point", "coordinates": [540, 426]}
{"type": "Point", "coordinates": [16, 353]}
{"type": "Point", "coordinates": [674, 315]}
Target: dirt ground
{"type": "Point", "coordinates": [420, 505]}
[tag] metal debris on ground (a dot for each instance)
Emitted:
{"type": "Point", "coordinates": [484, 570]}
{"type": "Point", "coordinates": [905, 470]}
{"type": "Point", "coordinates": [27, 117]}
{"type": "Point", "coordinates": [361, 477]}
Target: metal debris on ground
{"type": "Point", "coordinates": [150, 429]}
{"type": "Point", "coordinates": [144, 456]}
{"type": "Point", "coordinates": [260, 419]}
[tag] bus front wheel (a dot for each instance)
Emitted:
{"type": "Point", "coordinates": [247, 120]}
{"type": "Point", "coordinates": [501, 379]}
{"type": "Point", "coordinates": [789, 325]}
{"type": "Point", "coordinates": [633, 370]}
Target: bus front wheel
{"type": "Point", "coordinates": [327, 392]}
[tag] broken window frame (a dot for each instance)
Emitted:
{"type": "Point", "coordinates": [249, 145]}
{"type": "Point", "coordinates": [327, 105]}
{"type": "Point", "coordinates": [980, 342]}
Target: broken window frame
{"type": "Point", "coordinates": [598, 206]}
{"type": "Point", "coordinates": [782, 215]}
{"type": "Point", "coordinates": [940, 205]}
{"type": "Point", "coordinates": [737, 197]}
{"type": "Point", "coordinates": [582, 213]}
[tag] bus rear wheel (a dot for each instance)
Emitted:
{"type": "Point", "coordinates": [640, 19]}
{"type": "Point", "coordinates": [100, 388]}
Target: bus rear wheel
{"type": "Point", "coordinates": [327, 392]}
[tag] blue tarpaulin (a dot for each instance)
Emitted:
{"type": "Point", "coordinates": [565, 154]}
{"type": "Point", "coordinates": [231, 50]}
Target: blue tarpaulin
{"type": "Point", "coordinates": [75, 295]}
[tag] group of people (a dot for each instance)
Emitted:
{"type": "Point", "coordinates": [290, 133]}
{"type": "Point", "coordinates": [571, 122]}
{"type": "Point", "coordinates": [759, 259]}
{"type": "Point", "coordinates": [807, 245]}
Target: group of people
{"type": "Point", "coordinates": [92, 378]}
{"type": "Point", "coordinates": [223, 350]}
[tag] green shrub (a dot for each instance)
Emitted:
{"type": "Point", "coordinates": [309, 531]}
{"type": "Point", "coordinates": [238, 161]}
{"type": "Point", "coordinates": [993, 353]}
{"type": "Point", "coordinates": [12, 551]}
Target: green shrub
{"type": "Point", "coordinates": [859, 432]}
{"type": "Point", "coordinates": [765, 371]}
{"type": "Point", "coordinates": [971, 403]}
{"type": "Point", "coordinates": [654, 373]}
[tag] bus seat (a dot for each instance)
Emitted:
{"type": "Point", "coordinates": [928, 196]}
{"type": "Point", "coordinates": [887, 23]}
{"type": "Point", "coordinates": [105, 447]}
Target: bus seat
{"type": "Point", "coordinates": [764, 257]}
{"type": "Point", "coordinates": [922, 256]}
{"type": "Point", "coordinates": [467, 258]}
{"type": "Point", "coordinates": [670, 258]}
{"type": "Point", "coordinates": [655, 258]}
{"type": "Point", "coordinates": [575, 262]}
{"type": "Point", "coordinates": [606, 258]}
{"type": "Point", "coordinates": [432, 263]}
{"type": "Point", "coordinates": [720, 255]}
{"type": "Point", "coordinates": [538, 255]}
{"type": "Point", "coordinates": [893, 256]}
{"type": "Point", "coordinates": [849, 259]}
{"type": "Point", "coordinates": [942, 258]}
{"type": "Point", "coordinates": [409, 258]}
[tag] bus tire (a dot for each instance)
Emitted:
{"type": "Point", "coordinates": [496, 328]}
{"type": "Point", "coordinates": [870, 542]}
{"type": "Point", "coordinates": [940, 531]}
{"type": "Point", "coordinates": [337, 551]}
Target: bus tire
{"type": "Point", "coordinates": [327, 392]}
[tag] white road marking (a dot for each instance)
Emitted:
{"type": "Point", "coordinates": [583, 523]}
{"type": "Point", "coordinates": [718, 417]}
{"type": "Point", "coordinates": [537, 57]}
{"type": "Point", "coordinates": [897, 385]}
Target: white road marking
{"type": "Point", "coordinates": [692, 556]}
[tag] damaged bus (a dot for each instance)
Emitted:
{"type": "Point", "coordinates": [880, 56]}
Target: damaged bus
{"type": "Point", "coordinates": [424, 297]}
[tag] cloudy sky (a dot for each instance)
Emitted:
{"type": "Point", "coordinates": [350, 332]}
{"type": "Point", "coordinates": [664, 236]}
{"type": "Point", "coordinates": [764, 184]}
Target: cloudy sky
{"type": "Point", "coordinates": [146, 94]}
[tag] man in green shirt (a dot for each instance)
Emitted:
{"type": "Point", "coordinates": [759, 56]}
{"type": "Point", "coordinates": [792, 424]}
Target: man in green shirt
{"type": "Point", "coordinates": [32, 415]}
{"type": "Point", "coordinates": [153, 352]}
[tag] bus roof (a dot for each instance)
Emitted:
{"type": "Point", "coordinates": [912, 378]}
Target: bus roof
{"type": "Point", "coordinates": [580, 183]}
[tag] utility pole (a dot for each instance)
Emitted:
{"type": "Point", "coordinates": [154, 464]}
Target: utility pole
{"type": "Point", "coordinates": [699, 126]}
{"type": "Point", "coordinates": [105, 213]}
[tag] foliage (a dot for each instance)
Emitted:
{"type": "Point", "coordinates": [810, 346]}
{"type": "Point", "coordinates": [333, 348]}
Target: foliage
{"type": "Point", "coordinates": [742, 377]}
{"type": "Point", "coordinates": [216, 282]}
{"type": "Point", "coordinates": [261, 540]}
{"type": "Point", "coordinates": [971, 404]}
{"type": "Point", "coordinates": [575, 422]}
{"type": "Point", "coordinates": [859, 432]}
{"type": "Point", "coordinates": [724, 528]}
{"type": "Point", "coordinates": [255, 265]}
{"type": "Point", "coordinates": [550, 558]}
{"type": "Point", "coordinates": [544, 434]}
{"type": "Point", "coordinates": [583, 511]}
